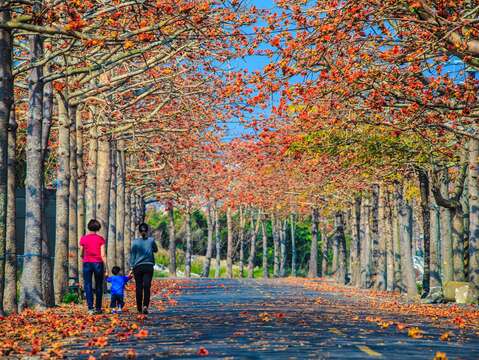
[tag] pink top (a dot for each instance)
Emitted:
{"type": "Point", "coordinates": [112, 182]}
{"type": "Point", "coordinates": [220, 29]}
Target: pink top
{"type": "Point", "coordinates": [91, 248]}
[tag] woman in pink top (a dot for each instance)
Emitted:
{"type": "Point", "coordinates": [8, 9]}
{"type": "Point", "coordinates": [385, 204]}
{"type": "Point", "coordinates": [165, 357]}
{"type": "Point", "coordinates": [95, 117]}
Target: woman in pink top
{"type": "Point", "coordinates": [93, 254]}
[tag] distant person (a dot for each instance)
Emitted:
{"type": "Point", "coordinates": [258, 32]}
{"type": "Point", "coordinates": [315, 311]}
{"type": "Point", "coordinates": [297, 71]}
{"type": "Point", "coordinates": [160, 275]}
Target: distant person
{"type": "Point", "coordinates": [92, 251]}
{"type": "Point", "coordinates": [117, 291]}
{"type": "Point", "coordinates": [142, 260]}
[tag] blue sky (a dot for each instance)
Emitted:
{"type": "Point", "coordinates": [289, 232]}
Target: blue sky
{"type": "Point", "coordinates": [251, 63]}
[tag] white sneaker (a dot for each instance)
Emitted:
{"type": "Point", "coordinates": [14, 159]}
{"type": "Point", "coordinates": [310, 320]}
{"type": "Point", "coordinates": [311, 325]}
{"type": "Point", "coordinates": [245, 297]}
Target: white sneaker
{"type": "Point", "coordinates": [119, 311]}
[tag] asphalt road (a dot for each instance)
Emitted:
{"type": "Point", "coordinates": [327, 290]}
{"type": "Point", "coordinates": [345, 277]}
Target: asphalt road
{"type": "Point", "coordinates": [269, 320]}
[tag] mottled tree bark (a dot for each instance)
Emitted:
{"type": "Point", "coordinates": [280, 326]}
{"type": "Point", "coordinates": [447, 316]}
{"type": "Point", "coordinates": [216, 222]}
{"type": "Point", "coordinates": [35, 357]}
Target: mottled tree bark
{"type": "Point", "coordinates": [446, 232]}
{"type": "Point", "coordinates": [217, 243]}
{"type": "Point", "coordinates": [453, 203]}
{"type": "Point", "coordinates": [60, 280]}
{"type": "Point", "coordinates": [276, 245]}
{"type": "Point", "coordinates": [188, 242]}
{"type": "Point", "coordinates": [313, 258]}
{"type": "Point", "coordinates": [466, 230]}
{"type": "Point", "coordinates": [405, 223]}
{"type": "Point", "coordinates": [81, 223]}
{"type": "Point", "coordinates": [10, 292]}
{"type": "Point", "coordinates": [426, 228]}
{"type": "Point", "coordinates": [435, 270]}
{"type": "Point", "coordinates": [241, 242]}
{"type": "Point", "coordinates": [326, 242]}
{"type": "Point", "coordinates": [209, 246]}
{"type": "Point", "coordinates": [398, 285]}
{"type": "Point", "coordinates": [389, 242]}
{"type": "Point", "coordinates": [90, 191]}
{"type": "Point", "coordinates": [380, 281]}
{"type": "Point", "coordinates": [112, 230]}
{"type": "Point", "coordinates": [365, 276]}
{"type": "Point", "coordinates": [293, 245]}
{"type": "Point", "coordinates": [282, 241]}
{"type": "Point", "coordinates": [172, 243]}
{"type": "Point", "coordinates": [252, 251]}
{"type": "Point", "coordinates": [335, 251]}
{"type": "Point", "coordinates": [265, 249]}
{"type": "Point", "coordinates": [103, 178]}
{"type": "Point", "coordinates": [474, 212]}
{"type": "Point", "coordinates": [375, 250]}
{"type": "Point", "coordinates": [229, 248]}
{"type": "Point", "coordinates": [127, 224]}
{"type": "Point", "coordinates": [73, 201]}
{"type": "Point", "coordinates": [356, 242]}
{"type": "Point", "coordinates": [6, 103]}
{"type": "Point", "coordinates": [120, 206]}
{"type": "Point", "coordinates": [47, 263]}
{"type": "Point", "coordinates": [31, 289]}
{"type": "Point", "coordinates": [340, 240]}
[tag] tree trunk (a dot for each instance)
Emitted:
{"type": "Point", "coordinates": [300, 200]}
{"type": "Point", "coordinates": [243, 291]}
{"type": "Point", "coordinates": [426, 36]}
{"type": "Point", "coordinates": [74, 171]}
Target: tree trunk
{"type": "Point", "coordinates": [209, 246]}
{"type": "Point", "coordinates": [6, 103]}
{"type": "Point", "coordinates": [252, 252]}
{"type": "Point", "coordinates": [112, 230]}
{"type": "Point", "coordinates": [446, 234]}
{"type": "Point", "coordinates": [127, 224]}
{"type": "Point", "coordinates": [474, 212]}
{"type": "Point", "coordinates": [172, 243]}
{"type": "Point", "coordinates": [31, 280]}
{"type": "Point", "coordinates": [47, 263]}
{"type": "Point", "coordinates": [103, 178]}
{"type": "Point", "coordinates": [132, 223]}
{"type": "Point", "coordinates": [355, 242]}
{"type": "Point", "coordinates": [282, 241]}
{"type": "Point", "coordinates": [335, 260]}
{"type": "Point", "coordinates": [405, 221]}
{"type": "Point", "coordinates": [435, 269]}
{"type": "Point", "coordinates": [458, 243]}
{"type": "Point", "coordinates": [229, 249]}
{"type": "Point", "coordinates": [265, 249]}
{"type": "Point", "coordinates": [10, 293]}
{"type": "Point", "coordinates": [398, 285]}
{"type": "Point", "coordinates": [73, 201]}
{"type": "Point", "coordinates": [313, 259]}
{"type": "Point", "coordinates": [276, 246]}
{"type": "Point", "coordinates": [188, 242]}
{"type": "Point", "coordinates": [389, 243]}
{"type": "Point", "coordinates": [380, 282]}
{"type": "Point", "coordinates": [90, 191]}
{"type": "Point", "coordinates": [365, 278]}
{"type": "Point", "coordinates": [340, 240]}
{"type": "Point", "coordinates": [241, 242]}
{"type": "Point", "coordinates": [81, 186]}
{"type": "Point", "coordinates": [426, 228]}
{"type": "Point", "coordinates": [453, 203]}
{"type": "Point", "coordinates": [325, 246]}
{"type": "Point", "coordinates": [466, 229]}
{"type": "Point", "coordinates": [60, 281]}
{"type": "Point", "coordinates": [375, 249]}
{"type": "Point", "coordinates": [293, 245]}
{"type": "Point", "coordinates": [217, 243]}
{"type": "Point", "coordinates": [120, 206]}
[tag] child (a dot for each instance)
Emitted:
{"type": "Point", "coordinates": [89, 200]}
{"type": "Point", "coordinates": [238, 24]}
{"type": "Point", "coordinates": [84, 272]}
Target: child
{"type": "Point", "coordinates": [118, 283]}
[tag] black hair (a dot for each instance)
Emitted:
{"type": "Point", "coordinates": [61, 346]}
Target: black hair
{"type": "Point", "coordinates": [115, 270]}
{"type": "Point", "coordinates": [94, 225]}
{"type": "Point", "coordinates": [143, 227]}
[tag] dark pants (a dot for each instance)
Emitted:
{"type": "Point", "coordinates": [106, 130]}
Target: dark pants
{"type": "Point", "coordinates": [117, 301]}
{"type": "Point", "coordinates": [91, 270]}
{"type": "Point", "coordinates": [143, 276]}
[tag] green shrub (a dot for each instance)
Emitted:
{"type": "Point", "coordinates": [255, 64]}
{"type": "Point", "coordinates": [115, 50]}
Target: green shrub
{"type": "Point", "coordinates": [71, 297]}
